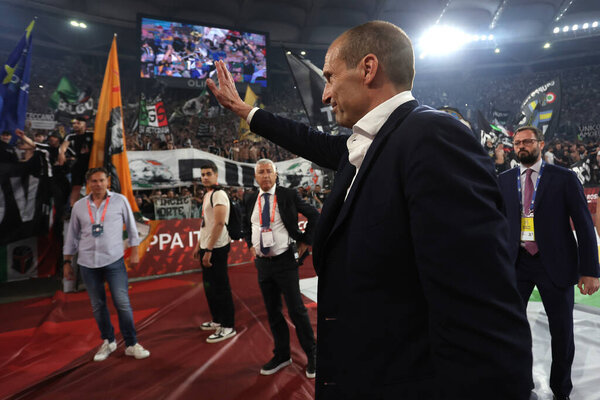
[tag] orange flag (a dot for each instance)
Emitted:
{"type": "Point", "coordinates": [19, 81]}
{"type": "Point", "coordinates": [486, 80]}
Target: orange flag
{"type": "Point", "coordinates": [109, 149]}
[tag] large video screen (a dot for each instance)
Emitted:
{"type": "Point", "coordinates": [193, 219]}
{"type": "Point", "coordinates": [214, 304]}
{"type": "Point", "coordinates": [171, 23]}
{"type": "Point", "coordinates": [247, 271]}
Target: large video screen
{"type": "Point", "coordinates": [184, 50]}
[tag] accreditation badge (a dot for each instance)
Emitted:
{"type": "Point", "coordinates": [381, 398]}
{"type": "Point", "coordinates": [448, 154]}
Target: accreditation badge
{"type": "Point", "coordinates": [267, 238]}
{"type": "Point", "coordinates": [527, 231]}
{"type": "Point", "coordinates": [97, 230]}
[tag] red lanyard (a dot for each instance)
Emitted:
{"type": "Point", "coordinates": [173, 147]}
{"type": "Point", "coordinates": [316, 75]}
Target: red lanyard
{"type": "Point", "coordinates": [103, 212]}
{"type": "Point", "coordinates": [260, 209]}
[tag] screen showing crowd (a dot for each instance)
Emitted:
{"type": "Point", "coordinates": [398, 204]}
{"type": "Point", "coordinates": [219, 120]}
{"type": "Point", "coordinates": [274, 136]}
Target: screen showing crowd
{"type": "Point", "coordinates": [183, 50]}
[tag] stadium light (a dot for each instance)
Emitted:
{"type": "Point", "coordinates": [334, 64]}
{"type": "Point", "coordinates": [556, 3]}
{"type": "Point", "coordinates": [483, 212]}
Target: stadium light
{"type": "Point", "coordinates": [556, 29]}
{"type": "Point", "coordinates": [443, 40]}
{"type": "Point", "coordinates": [288, 52]}
{"type": "Point", "coordinates": [565, 29]}
{"type": "Point", "coordinates": [575, 27]}
{"type": "Point", "coordinates": [595, 24]}
{"type": "Point", "coordinates": [497, 50]}
{"type": "Point", "coordinates": [78, 24]}
{"type": "Point", "coordinates": [302, 53]}
{"type": "Point", "coordinates": [41, 86]}
{"type": "Point", "coordinates": [547, 45]}
{"type": "Point", "coordinates": [586, 25]}
{"type": "Point", "coordinates": [490, 37]}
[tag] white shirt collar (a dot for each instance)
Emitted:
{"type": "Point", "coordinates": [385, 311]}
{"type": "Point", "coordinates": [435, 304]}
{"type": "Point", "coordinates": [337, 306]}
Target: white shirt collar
{"type": "Point", "coordinates": [108, 194]}
{"type": "Point", "coordinates": [270, 191]}
{"type": "Point", "coordinates": [535, 167]}
{"type": "Point", "coordinates": [372, 121]}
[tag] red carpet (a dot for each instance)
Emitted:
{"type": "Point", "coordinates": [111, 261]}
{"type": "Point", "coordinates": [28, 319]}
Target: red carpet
{"type": "Point", "coordinates": [47, 345]}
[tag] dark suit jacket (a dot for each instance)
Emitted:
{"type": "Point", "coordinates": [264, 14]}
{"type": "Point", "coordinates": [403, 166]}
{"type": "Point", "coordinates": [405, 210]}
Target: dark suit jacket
{"type": "Point", "coordinates": [559, 198]}
{"type": "Point", "coordinates": [416, 296]}
{"type": "Point", "coordinates": [289, 204]}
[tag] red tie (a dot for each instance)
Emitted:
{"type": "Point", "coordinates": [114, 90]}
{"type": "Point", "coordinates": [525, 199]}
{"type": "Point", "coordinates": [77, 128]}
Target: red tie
{"type": "Point", "coordinates": [531, 247]}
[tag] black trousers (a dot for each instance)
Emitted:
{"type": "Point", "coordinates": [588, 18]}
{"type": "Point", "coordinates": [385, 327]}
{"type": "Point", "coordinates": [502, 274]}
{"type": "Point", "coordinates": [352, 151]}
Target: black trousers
{"type": "Point", "coordinates": [276, 277]}
{"type": "Point", "coordinates": [558, 303]}
{"type": "Point", "coordinates": [217, 288]}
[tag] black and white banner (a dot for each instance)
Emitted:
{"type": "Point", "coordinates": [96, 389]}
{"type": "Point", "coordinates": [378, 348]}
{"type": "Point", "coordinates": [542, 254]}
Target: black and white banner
{"type": "Point", "coordinates": [178, 208]}
{"type": "Point", "coordinates": [170, 168]}
{"type": "Point", "coordinates": [24, 204]}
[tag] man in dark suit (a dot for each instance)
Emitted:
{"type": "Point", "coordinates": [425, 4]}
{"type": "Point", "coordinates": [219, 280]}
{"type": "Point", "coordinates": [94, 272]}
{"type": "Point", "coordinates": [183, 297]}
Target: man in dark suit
{"type": "Point", "coordinates": [271, 227]}
{"type": "Point", "coordinates": [541, 200]}
{"type": "Point", "coordinates": [417, 298]}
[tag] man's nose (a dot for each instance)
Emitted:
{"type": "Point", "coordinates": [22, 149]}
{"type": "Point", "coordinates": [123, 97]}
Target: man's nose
{"type": "Point", "coordinates": [326, 98]}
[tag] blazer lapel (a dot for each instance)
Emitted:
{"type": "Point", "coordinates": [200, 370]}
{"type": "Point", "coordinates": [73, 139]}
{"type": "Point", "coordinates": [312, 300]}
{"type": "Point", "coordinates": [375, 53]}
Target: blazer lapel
{"type": "Point", "coordinates": [540, 190]}
{"type": "Point", "coordinates": [395, 119]}
{"type": "Point", "coordinates": [331, 209]}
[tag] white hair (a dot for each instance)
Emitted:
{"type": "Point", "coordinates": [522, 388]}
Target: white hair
{"type": "Point", "coordinates": [265, 161]}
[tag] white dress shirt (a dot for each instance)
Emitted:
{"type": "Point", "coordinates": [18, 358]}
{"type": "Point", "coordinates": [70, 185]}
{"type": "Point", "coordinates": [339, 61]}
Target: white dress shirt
{"type": "Point", "coordinates": [365, 130]}
{"type": "Point", "coordinates": [280, 234]}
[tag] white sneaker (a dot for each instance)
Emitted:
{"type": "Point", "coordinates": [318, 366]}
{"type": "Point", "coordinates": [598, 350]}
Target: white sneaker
{"type": "Point", "coordinates": [105, 350]}
{"type": "Point", "coordinates": [210, 326]}
{"type": "Point", "coordinates": [137, 351]}
{"type": "Point", "coordinates": [222, 333]}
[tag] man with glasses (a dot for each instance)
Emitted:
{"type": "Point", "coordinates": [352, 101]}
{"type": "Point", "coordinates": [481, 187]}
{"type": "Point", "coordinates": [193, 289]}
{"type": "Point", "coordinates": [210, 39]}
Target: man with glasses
{"type": "Point", "coordinates": [541, 199]}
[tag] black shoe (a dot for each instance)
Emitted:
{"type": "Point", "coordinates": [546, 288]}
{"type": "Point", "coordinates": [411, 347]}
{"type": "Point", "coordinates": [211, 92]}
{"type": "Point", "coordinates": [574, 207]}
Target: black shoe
{"type": "Point", "coordinates": [311, 367]}
{"type": "Point", "coordinates": [275, 365]}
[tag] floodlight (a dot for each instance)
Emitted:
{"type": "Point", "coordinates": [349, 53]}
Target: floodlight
{"type": "Point", "coordinates": [82, 25]}
{"type": "Point", "coordinates": [497, 50]}
{"type": "Point", "coordinates": [483, 37]}
{"type": "Point", "coordinates": [442, 40]}
{"type": "Point", "coordinates": [565, 29]}
{"type": "Point", "coordinates": [288, 52]}
{"type": "Point", "coordinates": [302, 53]}
{"type": "Point", "coordinates": [490, 37]}
{"type": "Point", "coordinates": [547, 45]}
{"type": "Point", "coordinates": [74, 23]}
{"type": "Point", "coordinates": [585, 26]}
{"type": "Point", "coordinates": [595, 24]}
{"type": "Point", "coordinates": [575, 27]}
{"type": "Point", "coordinates": [556, 29]}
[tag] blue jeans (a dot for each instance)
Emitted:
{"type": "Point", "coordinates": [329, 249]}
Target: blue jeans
{"type": "Point", "coordinates": [116, 276]}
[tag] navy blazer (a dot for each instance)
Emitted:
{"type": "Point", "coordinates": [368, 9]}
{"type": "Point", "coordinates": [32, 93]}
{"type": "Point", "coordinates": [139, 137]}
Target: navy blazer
{"type": "Point", "coordinates": [417, 296]}
{"type": "Point", "coordinates": [289, 204]}
{"type": "Point", "coordinates": [559, 199]}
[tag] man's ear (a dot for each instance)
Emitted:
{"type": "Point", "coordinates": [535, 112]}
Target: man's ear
{"type": "Point", "coordinates": [370, 66]}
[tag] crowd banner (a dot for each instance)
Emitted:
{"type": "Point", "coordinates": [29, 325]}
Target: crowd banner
{"type": "Point", "coordinates": [541, 108]}
{"type": "Point", "coordinates": [310, 84]}
{"type": "Point", "coordinates": [589, 131]}
{"type": "Point", "coordinates": [26, 247]}
{"type": "Point", "coordinates": [171, 168]}
{"type": "Point", "coordinates": [41, 121]}
{"type": "Point", "coordinates": [152, 119]}
{"type": "Point", "coordinates": [175, 208]}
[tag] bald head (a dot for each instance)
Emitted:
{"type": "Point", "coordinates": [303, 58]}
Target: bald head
{"type": "Point", "coordinates": [388, 43]}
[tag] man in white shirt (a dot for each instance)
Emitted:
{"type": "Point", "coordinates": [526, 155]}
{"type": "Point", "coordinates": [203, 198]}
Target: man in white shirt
{"type": "Point", "coordinates": [272, 235]}
{"type": "Point", "coordinates": [213, 249]}
{"type": "Point", "coordinates": [95, 233]}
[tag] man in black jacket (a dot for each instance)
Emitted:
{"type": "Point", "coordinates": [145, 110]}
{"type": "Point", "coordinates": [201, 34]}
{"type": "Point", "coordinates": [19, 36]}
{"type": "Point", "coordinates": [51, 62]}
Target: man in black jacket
{"type": "Point", "coordinates": [271, 222]}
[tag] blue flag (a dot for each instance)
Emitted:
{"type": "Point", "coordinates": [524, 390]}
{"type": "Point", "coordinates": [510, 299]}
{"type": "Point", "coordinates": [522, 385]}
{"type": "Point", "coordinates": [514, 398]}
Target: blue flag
{"type": "Point", "coordinates": [14, 85]}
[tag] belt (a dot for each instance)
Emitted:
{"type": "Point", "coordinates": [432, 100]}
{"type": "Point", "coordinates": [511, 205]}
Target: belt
{"type": "Point", "coordinates": [286, 253]}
